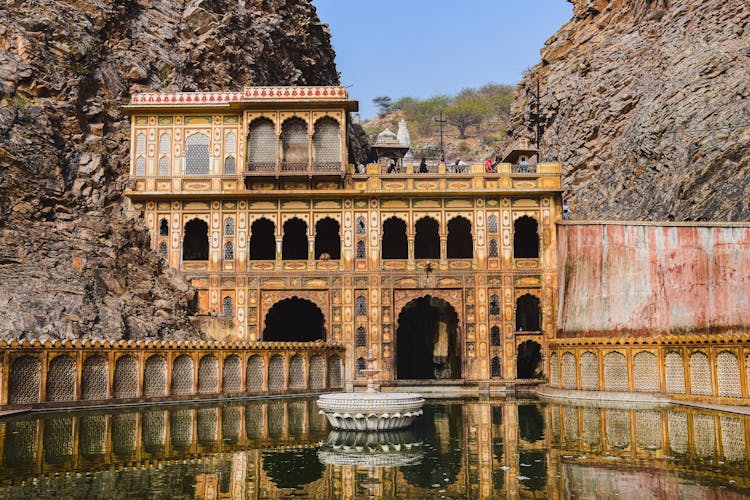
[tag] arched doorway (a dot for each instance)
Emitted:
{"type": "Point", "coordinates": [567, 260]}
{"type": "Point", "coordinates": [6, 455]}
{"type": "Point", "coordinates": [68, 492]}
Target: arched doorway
{"type": "Point", "coordinates": [294, 320]}
{"type": "Point", "coordinates": [195, 241]}
{"type": "Point", "coordinates": [427, 340]}
{"type": "Point", "coordinates": [529, 360]}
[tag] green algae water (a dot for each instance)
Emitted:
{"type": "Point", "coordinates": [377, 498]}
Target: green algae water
{"type": "Point", "coordinates": [457, 449]}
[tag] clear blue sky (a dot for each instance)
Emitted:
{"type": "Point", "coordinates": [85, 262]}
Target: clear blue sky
{"type": "Point", "coordinates": [423, 48]}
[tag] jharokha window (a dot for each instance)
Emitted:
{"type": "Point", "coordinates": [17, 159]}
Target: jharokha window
{"type": "Point", "coordinates": [197, 156]}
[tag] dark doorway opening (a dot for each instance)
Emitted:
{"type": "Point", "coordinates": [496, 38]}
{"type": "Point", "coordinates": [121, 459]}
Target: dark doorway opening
{"type": "Point", "coordinates": [327, 239]}
{"type": "Point", "coordinates": [294, 320]}
{"type": "Point", "coordinates": [427, 239]}
{"type": "Point", "coordinates": [263, 240]}
{"type": "Point", "coordinates": [460, 243]}
{"type": "Point", "coordinates": [195, 242]}
{"type": "Point", "coordinates": [528, 314]}
{"type": "Point", "coordinates": [526, 238]}
{"type": "Point", "coordinates": [427, 341]}
{"type": "Point", "coordinates": [294, 243]}
{"type": "Point", "coordinates": [395, 244]}
{"type": "Point", "coordinates": [529, 360]}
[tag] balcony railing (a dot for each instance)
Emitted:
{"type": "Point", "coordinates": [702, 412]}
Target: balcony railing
{"type": "Point", "coordinates": [291, 168]}
{"type": "Point", "coordinates": [523, 169]}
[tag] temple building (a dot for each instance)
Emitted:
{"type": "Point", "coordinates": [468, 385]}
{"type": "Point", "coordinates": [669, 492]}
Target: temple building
{"type": "Point", "coordinates": [442, 275]}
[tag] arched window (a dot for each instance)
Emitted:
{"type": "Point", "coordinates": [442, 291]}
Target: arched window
{"type": "Point", "coordinates": [395, 244]}
{"type": "Point", "coordinates": [229, 165]}
{"type": "Point", "coordinates": [528, 314]}
{"type": "Point", "coordinates": [262, 240]}
{"type": "Point", "coordinates": [163, 251]}
{"type": "Point", "coordinates": [361, 225]}
{"type": "Point", "coordinates": [229, 227]}
{"type": "Point", "coordinates": [492, 224]}
{"type": "Point", "coordinates": [494, 305]}
{"type": "Point", "coordinates": [140, 144]}
{"type": "Point", "coordinates": [361, 306]}
{"type": "Point", "coordinates": [327, 144]}
{"type": "Point", "coordinates": [261, 145]}
{"type": "Point", "coordinates": [140, 166]}
{"type": "Point", "coordinates": [230, 143]}
{"type": "Point", "coordinates": [229, 251]}
{"type": "Point", "coordinates": [492, 251]}
{"type": "Point", "coordinates": [164, 143]}
{"type": "Point", "coordinates": [295, 154]}
{"type": "Point", "coordinates": [164, 166]}
{"type": "Point", "coordinates": [195, 242]}
{"type": "Point", "coordinates": [497, 367]}
{"type": "Point", "coordinates": [164, 227]}
{"type": "Point", "coordinates": [294, 242]}
{"type": "Point", "coordinates": [427, 239]}
{"type": "Point", "coordinates": [525, 238]}
{"type": "Point", "coordinates": [361, 339]}
{"type": "Point", "coordinates": [460, 243]}
{"type": "Point", "coordinates": [227, 307]}
{"type": "Point", "coordinates": [327, 239]}
{"type": "Point", "coordinates": [197, 155]}
{"type": "Point", "coordinates": [495, 336]}
{"type": "Point", "coordinates": [361, 250]}
{"type": "Point", "coordinates": [361, 365]}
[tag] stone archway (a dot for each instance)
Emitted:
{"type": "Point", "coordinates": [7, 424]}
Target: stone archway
{"type": "Point", "coordinates": [529, 360]}
{"type": "Point", "coordinates": [294, 320]}
{"type": "Point", "coordinates": [428, 344]}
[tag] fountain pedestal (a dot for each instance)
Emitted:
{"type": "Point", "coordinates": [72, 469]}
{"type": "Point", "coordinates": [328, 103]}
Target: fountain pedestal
{"type": "Point", "coordinates": [371, 410]}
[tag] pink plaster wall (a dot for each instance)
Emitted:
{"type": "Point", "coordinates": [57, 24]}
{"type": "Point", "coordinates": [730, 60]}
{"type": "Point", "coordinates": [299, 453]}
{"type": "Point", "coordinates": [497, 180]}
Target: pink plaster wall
{"type": "Point", "coordinates": [631, 279]}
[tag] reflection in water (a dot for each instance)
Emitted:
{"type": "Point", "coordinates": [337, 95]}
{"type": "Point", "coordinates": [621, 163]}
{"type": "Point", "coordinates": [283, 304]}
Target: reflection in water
{"type": "Point", "coordinates": [464, 449]}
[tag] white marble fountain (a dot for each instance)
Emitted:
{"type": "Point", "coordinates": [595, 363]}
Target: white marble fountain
{"type": "Point", "coordinates": [371, 410]}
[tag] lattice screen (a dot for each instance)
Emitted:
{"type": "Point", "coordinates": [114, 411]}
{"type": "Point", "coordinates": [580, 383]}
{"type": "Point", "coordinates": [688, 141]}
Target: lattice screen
{"type": "Point", "coordinates": [317, 372]}
{"type": "Point", "coordinates": [570, 420]}
{"type": "Point", "coordinates": [164, 166]}
{"type": "Point", "coordinates": [492, 224]}
{"type": "Point", "coordinates": [361, 250]}
{"type": "Point", "coordinates": [227, 305]}
{"type": "Point", "coordinates": [230, 165]}
{"type": "Point", "coordinates": [492, 251]}
{"type": "Point", "coordinates": [361, 225]}
{"type": "Point", "coordinates": [361, 306]}
{"type": "Point", "coordinates": [495, 336]}
{"type": "Point", "coordinates": [733, 438]}
{"type": "Point", "coordinates": [618, 427]}
{"type": "Point", "coordinates": [261, 145]}
{"type": "Point", "coordinates": [197, 155]}
{"type": "Point", "coordinates": [589, 372]}
{"type": "Point", "coordinates": [25, 380]}
{"type": "Point", "coordinates": [231, 418]}
{"type": "Point", "coordinates": [208, 375]}
{"type": "Point", "coordinates": [94, 378]}
{"type": "Point", "coordinates": [230, 143]}
{"type": "Point", "coordinates": [361, 365]}
{"type": "Point", "coordinates": [231, 375]}
{"type": "Point", "coordinates": [125, 383]}
{"type": "Point", "coordinates": [57, 441]}
{"type": "Point", "coordinates": [728, 375]}
{"type": "Point", "coordinates": [569, 371]}
{"type": "Point", "coordinates": [704, 439]}
{"type": "Point", "coordinates": [181, 429]}
{"type": "Point", "coordinates": [276, 373]}
{"type": "Point", "coordinates": [182, 375]}
{"type": "Point", "coordinates": [254, 422]}
{"type": "Point", "coordinates": [334, 372]}
{"type": "Point", "coordinates": [675, 373]}
{"type": "Point", "coordinates": [648, 429]}
{"type": "Point", "coordinates": [296, 422]}
{"type": "Point", "coordinates": [208, 426]}
{"type": "Point", "coordinates": [229, 227]}
{"type": "Point", "coordinates": [615, 372]}
{"type": "Point", "coordinates": [555, 424]}
{"type": "Point", "coordinates": [140, 144]}
{"type": "Point", "coordinates": [255, 374]}
{"type": "Point", "coordinates": [61, 379]}
{"type": "Point", "coordinates": [124, 434]}
{"type": "Point", "coordinates": [140, 166]}
{"type": "Point", "coordinates": [275, 419]}
{"type": "Point", "coordinates": [645, 372]}
{"type": "Point", "coordinates": [700, 374]}
{"type": "Point", "coordinates": [496, 367]}
{"type": "Point", "coordinates": [93, 435]}
{"type": "Point", "coordinates": [678, 432]}
{"type": "Point", "coordinates": [592, 426]}
{"type": "Point", "coordinates": [494, 305]}
{"type": "Point", "coordinates": [327, 144]}
{"type": "Point", "coordinates": [165, 144]}
{"type": "Point", "coordinates": [361, 337]}
{"type": "Point", "coordinates": [228, 250]}
{"type": "Point", "coordinates": [155, 376]}
{"type": "Point", "coordinates": [553, 371]}
{"type": "Point", "coordinates": [154, 427]}
{"type": "Point", "coordinates": [294, 144]}
{"type": "Point", "coordinates": [297, 372]}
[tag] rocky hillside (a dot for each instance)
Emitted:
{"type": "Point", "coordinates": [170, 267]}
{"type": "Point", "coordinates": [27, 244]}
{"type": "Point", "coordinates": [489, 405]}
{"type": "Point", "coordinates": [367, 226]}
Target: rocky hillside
{"type": "Point", "coordinates": [648, 103]}
{"type": "Point", "coordinates": [71, 263]}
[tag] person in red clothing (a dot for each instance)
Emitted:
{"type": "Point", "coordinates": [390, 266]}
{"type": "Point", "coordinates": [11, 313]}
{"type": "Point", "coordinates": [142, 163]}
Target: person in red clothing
{"type": "Point", "coordinates": [488, 166]}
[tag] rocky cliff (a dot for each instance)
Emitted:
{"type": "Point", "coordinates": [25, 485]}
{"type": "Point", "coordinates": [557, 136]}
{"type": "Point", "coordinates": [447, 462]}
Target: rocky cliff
{"type": "Point", "coordinates": [71, 263]}
{"type": "Point", "coordinates": [648, 107]}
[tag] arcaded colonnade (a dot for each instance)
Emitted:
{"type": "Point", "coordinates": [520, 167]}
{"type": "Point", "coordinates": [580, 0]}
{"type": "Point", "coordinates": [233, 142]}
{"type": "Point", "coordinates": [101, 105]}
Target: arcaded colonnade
{"type": "Point", "coordinates": [55, 373]}
{"type": "Point", "coordinates": [715, 369]}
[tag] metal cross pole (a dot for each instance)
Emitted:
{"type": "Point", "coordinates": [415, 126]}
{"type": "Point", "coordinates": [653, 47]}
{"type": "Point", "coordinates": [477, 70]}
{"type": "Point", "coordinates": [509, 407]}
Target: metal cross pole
{"type": "Point", "coordinates": [441, 121]}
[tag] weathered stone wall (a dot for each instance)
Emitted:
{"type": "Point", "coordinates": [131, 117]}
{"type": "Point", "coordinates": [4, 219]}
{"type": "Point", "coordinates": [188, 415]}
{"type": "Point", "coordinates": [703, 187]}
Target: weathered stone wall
{"type": "Point", "coordinates": [639, 279]}
{"type": "Point", "coordinates": [71, 263]}
{"type": "Point", "coordinates": [648, 103]}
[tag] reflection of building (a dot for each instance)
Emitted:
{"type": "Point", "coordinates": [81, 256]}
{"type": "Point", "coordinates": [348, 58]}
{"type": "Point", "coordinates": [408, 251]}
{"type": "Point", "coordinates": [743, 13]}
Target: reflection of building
{"type": "Point", "coordinates": [442, 274]}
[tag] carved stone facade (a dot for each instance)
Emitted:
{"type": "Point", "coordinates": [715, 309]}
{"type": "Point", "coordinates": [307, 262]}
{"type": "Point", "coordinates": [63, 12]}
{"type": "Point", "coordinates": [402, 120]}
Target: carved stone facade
{"type": "Point", "coordinates": [241, 277]}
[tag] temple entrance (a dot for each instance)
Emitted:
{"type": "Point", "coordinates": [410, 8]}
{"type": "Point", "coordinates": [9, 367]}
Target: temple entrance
{"type": "Point", "coordinates": [427, 341]}
{"type": "Point", "coordinates": [294, 320]}
{"type": "Point", "coordinates": [529, 360]}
